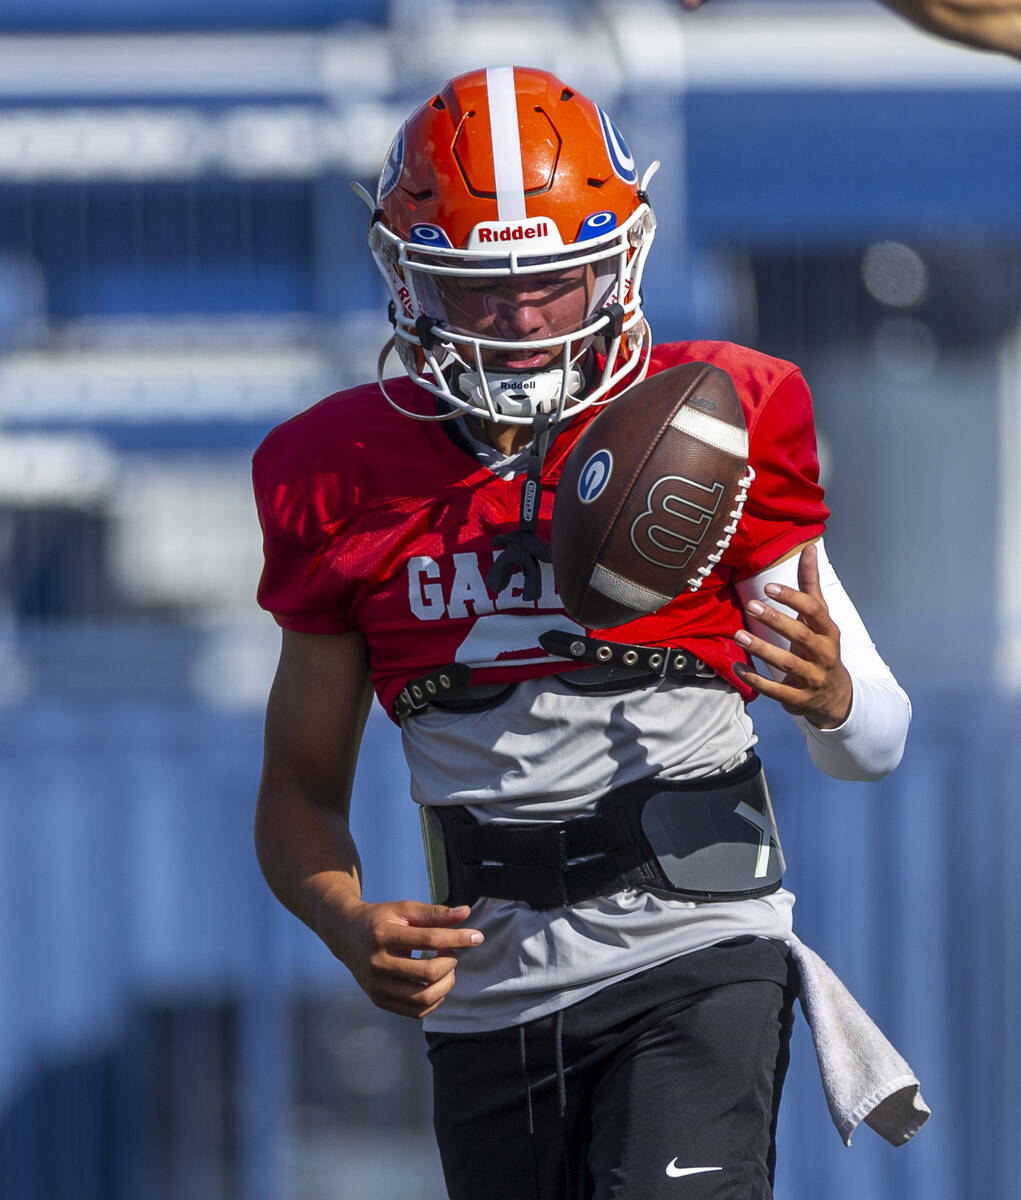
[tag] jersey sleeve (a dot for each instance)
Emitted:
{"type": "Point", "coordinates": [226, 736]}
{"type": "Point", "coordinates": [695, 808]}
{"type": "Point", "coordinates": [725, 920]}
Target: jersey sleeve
{"type": "Point", "coordinates": [299, 586]}
{"type": "Point", "coordinates": [785, 504]}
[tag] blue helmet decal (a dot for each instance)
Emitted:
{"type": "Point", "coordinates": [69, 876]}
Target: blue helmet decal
{"type": "Point", "coordinates": [595, 475]}
{"type": "Point", "coordinates": [392, 168]}
{"type": "Point", "coordinates": [425, 234]}
{"type": "Point", "coordinates": [597, 224]}
{"type": "Point", "coordinates": [621, 158]}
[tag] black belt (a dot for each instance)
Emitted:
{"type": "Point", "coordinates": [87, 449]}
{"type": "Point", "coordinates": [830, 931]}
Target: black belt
{"type": "Point", "coordinates": [446, 686]}
{"type": "Point", "coordinates": [425, 690]}
{"type": "Point", "coordinates": [664, 661]}
{"type": "Point", "coordinates": [704, 839]}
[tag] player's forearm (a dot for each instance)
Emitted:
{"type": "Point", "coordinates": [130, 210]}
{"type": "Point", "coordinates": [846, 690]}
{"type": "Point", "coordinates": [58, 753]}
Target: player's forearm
{"type": "Point", "coordinates": [309, 859]}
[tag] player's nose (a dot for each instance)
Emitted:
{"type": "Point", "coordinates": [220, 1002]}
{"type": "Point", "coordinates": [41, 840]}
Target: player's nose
{"type": "Point", "coordinates": [518, 319]}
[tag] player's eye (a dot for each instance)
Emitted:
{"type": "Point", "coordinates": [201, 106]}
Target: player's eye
{"type": "Point", "coordinates": [460, 293]}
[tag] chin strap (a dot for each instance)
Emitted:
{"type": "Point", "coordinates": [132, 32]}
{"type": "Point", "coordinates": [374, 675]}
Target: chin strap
{"type": "Point", "coordinates": [522, 548]}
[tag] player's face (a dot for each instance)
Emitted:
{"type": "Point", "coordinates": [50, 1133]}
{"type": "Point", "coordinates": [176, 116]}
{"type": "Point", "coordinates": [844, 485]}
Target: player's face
{"type": "Point", "coordinates": [520, 308]}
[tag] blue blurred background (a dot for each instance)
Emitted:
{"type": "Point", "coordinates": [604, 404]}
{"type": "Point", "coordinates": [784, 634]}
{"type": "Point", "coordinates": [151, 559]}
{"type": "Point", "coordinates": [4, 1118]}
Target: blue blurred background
{"type": "Point", "coordinates": [182, 265]}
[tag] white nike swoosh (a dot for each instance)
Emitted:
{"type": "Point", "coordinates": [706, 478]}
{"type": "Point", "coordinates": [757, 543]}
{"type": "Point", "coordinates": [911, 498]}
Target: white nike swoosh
{"type": "Point", "coordinates": [676, 1172]}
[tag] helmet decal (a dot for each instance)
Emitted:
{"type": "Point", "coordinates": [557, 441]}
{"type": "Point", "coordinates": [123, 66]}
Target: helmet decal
{"type": "Point", "coordinates": [429, 235]}
{"type": "Point", "coordinates": [540, 233]}
{"type": "Point", "coordinates": [596, 224]}
{"type": "Point", "coordinates": [621, 158]}
{"type": "Point", "coordinates": [392, 168]}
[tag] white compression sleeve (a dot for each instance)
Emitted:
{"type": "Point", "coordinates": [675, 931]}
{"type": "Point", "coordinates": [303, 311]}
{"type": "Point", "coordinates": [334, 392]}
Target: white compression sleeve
{"type": "Point", "coordinates": [870, 742]}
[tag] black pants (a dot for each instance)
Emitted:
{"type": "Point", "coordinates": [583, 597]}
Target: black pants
{"type": "Point", "coordinates": [664, 1085]}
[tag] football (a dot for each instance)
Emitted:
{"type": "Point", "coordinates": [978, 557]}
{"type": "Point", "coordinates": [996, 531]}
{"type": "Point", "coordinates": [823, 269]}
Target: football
{"type": "Point", "coordinates": [650, 495]}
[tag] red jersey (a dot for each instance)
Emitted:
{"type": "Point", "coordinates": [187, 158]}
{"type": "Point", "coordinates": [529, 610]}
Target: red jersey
{"type": "Point", "coordinates": [373, 521]}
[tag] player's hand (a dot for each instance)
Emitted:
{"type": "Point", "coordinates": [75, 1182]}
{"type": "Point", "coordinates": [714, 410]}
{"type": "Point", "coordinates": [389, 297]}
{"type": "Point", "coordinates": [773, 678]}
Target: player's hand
{"type": "Point", "coordinates": [378, 944]}
{"type": "Point", "coordinates": [815, 683]}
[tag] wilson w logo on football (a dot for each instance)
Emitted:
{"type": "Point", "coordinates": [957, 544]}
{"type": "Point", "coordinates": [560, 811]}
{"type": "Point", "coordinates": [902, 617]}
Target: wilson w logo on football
{"type": "Point", "coordinates": [678, 513]}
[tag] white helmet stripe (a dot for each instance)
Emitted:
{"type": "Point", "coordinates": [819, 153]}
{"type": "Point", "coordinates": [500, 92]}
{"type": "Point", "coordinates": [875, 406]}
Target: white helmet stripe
{"type": "Point", "coordinates": [506, 135]}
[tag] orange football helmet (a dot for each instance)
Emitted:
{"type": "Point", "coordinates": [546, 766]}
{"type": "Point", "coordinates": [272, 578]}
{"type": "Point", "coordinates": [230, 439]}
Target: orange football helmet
{"type": "Point", "coordinates": [510, 188]}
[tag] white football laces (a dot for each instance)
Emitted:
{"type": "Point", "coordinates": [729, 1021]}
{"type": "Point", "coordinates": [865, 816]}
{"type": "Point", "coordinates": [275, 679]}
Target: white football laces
{"type": "Point", "coordinates": [728, 531]}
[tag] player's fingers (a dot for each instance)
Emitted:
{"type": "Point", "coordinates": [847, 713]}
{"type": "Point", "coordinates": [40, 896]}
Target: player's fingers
{"type": "Point", "coordinates": [809, 608]}
{"type": "Point", "coordinates": [405, 938]}
{"type": "Point", "coordinates": [811, 611]}
{"type": "Point", "coordinates": [411, 998]}
{"type": "Point", "coordinates": [776, 656]}
{"type": "Point", "coordinates": [809, 674]}
{"type": "Point", "coordinates": [424, 971]}
{"type": "Point", "coordinates": [802, 641]}
{"type": "Point", "coordinates": [417, 913]}
{"type": "Point", "coordinates": [434, 988]}
{"type": "Point", "coordinates": [430, 998]}
{"type": "Point", "coordinates": [807, 599]}
{"type": "Point", "coordinates": [390, 977]}
{"type": "Point", "coordinates": [808, 570]}
{"type": "Point", "coordinates": [792, 698]}
{"type": "Point", "coordinates": [816, 641]}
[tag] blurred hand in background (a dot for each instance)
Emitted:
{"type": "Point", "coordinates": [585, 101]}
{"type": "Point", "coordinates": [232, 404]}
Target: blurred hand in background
{"type": "Point", "coordinates": [984, 24]}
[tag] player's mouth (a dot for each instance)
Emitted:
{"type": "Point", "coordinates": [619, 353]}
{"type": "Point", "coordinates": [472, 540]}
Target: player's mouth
{"type": "Point", "coordinates": [522, 362]}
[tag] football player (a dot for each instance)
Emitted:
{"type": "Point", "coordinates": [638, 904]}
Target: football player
{"type": "Point", "coordinates": [603, 972]}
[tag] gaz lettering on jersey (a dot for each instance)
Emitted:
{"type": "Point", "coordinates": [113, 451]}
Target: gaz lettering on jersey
{"type": "Point", "coordinates": [456, 588]}
{"type": "Point", "coordinates": [677, 514]}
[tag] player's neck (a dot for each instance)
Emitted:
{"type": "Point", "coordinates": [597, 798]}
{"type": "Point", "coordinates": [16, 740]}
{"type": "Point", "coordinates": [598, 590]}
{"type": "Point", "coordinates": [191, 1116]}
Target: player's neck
{"type": "Point", "coordinates": [508, 439]}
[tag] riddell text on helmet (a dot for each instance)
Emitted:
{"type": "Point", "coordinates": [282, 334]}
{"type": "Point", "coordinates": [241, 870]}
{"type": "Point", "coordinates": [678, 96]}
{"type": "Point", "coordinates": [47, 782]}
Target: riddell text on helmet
{"type": "Point", "coordinates": [537, 230]}
{"type": "Point", "coordinates": [514, 233]}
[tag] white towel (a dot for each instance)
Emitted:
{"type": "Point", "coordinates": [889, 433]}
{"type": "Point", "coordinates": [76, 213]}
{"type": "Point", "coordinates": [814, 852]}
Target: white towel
{"type": "Point", "coordinates": [863, 1076]}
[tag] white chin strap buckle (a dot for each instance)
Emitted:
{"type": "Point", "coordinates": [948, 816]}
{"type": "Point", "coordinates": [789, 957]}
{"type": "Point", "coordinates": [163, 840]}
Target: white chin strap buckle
{"type": "Point", "coordinates": [519, 394]}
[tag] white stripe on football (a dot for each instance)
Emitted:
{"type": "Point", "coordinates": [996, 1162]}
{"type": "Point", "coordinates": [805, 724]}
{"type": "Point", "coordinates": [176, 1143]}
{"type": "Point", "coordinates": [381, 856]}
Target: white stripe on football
{"type": "Point", "coordinates": [712, 431]}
